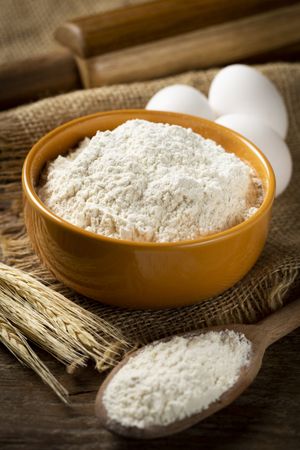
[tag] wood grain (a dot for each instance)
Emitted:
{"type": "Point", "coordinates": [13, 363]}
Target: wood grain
{"type": "Point", "coordinates": [133, 25]}
{"type": "Point", "coordinates": [38, 77]}
{"type": "Point", "coordinates": [265, 417]}
{"type": "Point", "coordinates": [261, 335]}
{"type": "Point", "coordinates": [57, 72]}
{"type": "Point", "coordinates": [221, 44]}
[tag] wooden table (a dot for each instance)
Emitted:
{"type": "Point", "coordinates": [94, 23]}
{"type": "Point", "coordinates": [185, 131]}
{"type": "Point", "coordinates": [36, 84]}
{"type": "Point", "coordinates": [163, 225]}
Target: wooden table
{"type": "Point", "coordinates": [266, 417]}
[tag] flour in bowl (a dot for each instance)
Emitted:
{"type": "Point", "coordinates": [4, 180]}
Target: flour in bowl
{"type": "Point", "coordinates": [151, 182]}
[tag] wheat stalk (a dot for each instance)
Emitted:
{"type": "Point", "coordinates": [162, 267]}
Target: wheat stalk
{"type": "Point", "coordinates": [18, 345]}
{"type": "Point", "coordinates": [36, 328]}
{"type": "Point", "coordinates": [67, 330]}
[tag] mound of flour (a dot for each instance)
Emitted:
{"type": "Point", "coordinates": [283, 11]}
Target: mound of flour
{"type": "Point", "coordinates": [168, 381]}
{"type": "Point", "coordinates": [147, 181]}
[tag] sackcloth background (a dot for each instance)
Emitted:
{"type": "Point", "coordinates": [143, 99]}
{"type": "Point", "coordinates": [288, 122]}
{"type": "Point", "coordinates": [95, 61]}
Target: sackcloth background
{"type": "Point", "coordinates": [274, 280]}
{"type": "Point", "coordinates": [27, 26]}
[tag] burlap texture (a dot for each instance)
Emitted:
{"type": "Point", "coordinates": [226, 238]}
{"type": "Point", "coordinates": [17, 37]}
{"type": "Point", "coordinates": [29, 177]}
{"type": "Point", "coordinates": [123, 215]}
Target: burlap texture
{"type": "Point", "coordinates": [27, 26]}
{"type": "Point", "coordinates": [273, 280]}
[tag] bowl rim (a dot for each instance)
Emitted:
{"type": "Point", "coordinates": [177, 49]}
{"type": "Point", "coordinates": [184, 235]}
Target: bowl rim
{"type": "Point", "coordinates": [37, 203]}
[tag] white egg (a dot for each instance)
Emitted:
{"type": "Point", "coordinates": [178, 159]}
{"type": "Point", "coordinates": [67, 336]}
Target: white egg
{"type": "Point", "coordinates": [242, 89]}
{"type": "Point", "coordinates": [267, 140]}
{"type": "Point", "coordinates": [181, 98]}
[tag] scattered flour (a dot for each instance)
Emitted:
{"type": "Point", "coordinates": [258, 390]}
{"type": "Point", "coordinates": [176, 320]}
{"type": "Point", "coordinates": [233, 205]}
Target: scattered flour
{"type": "Point", "coordinates": [146, 181]}
{"type": "Point", "coordinates": [169, 381]}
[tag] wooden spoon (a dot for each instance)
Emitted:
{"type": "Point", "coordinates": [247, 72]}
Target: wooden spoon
{"type": "Point", "coordinates": [261, 335]}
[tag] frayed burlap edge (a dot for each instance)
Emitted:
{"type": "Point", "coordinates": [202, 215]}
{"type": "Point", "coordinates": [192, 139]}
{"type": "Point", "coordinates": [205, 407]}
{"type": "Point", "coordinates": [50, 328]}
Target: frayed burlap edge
{"type": "Point", "coordinates": [273, 280]}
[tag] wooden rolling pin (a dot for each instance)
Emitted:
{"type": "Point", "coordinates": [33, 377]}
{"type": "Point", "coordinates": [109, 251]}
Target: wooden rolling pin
{"type": "Point", "coordinates": [267, 36]}
{"type": "Point", "coordinates": [212, 46]}
{"type": "Point", "coordinates": [134, 25]}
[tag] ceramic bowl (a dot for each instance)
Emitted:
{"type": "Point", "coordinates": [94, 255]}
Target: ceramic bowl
{"type": "Point", "coordinates": [137, 274]}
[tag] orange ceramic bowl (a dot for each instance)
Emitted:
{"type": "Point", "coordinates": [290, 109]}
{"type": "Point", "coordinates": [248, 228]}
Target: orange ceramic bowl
{"type": "Point", "coordinates": [137, 274]}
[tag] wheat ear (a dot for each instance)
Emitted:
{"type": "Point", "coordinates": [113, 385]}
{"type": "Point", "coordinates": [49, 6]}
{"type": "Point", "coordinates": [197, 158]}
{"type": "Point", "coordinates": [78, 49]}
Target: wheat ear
{"type": "Point", "coordinates": [68, 331]}
{"type": "Point", "coordinates": [17, 344]}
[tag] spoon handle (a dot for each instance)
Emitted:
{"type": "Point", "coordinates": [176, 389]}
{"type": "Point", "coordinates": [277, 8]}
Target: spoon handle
{"type": "Point", "coordinates": [281, 322]}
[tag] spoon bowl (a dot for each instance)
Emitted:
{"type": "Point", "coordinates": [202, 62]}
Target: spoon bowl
{"type": "Point", "coordinates": [260, 335]}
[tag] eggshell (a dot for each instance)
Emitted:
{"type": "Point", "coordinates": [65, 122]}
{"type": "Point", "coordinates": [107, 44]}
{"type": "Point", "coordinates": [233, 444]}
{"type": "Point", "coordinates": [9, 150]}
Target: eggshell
{"type": "Point", "coordinates": [267, 140]}
{"type": "Point", "coordinates": [242, 89]}
{"type": "Point", "coordinates": [181, 98]}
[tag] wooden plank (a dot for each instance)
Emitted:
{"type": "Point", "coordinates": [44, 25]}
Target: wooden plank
{"type": "Point", "coordinates": [266, 417]}
{"type": "Point", "coordinates": [133, 25]}
{"type": "Point", "coordinates": [201, 49]}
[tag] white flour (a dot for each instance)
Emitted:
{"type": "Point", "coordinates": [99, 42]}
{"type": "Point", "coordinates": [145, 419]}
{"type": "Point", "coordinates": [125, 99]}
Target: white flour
{"type": "Point", "coordinates": [176, 379]}
{"type": "Point", "coordinates": [145, 181]}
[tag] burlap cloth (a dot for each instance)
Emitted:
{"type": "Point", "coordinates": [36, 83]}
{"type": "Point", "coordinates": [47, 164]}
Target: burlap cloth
{"type": "Point", "coordinates": [274, 279]}
{"type": "Point", "coordinates": [27, 26]}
